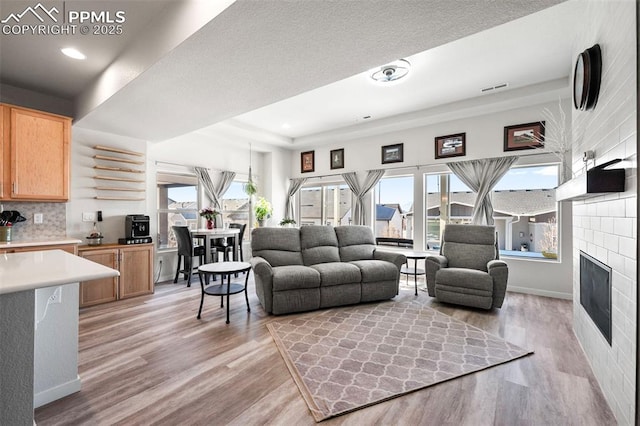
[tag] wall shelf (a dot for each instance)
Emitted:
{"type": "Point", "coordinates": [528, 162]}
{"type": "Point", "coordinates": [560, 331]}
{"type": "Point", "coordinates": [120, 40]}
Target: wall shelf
{"type": "Point", "coordinates": [118, 166]}
{"type": "Point", "coordinates": [117, 159]}
{"type": "Point", "coordinates": [117, 169]}
{"type": "Point", "coordinates": [114, 188]}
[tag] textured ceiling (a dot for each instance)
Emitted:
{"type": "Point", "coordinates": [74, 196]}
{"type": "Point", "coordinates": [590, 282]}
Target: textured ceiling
{"type": "Point", "coordinates": [256, 53]}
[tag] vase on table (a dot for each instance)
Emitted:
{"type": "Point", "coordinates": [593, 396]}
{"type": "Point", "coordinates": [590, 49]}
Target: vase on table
{"type": "Point", "coordinates": [210, 224]}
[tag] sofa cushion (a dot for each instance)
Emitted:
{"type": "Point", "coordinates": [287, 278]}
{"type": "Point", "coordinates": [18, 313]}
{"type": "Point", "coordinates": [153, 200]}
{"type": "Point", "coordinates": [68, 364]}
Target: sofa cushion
{"type": "Point", "coordinates": [336, 273]}
{"type": "Point", "coordinates": [465, 278]}
{"type": "Point", "coordinates": [295, 277]}
{"type": "Point", "coordinates": [319, 245]}
{"type": "Point", "coordinates": [278, 246]}
{"type": "Point", "coordinates": [355, 242]}
{"type": "Point", "coordinates": [472, 256]}
{"type": "Point", "coordinates": [376, 270]}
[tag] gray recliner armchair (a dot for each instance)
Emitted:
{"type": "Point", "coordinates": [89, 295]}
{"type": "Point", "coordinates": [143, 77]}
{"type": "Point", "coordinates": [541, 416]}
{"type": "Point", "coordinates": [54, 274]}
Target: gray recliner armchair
{"type": "Point", "coordinates": [468, 270]}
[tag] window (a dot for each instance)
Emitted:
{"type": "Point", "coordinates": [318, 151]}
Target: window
{"type": "Point", "coordinates": [328, 204]}
{"type": "Point", "coordinates": [177, 205]}
{"type": "Point", "coordinates": [235, 206]}
{"type": "Point", "coordinates": [394, 208]}
{"type": "Point", "coordinates": [525, 210]}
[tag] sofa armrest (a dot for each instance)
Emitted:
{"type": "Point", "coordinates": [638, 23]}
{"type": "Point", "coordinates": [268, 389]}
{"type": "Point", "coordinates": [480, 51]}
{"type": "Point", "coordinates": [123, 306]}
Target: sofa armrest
{"type": "Point", "coordinates": [499, 271]}
{"type": "Point", "coordinates": [433, 264]}
{"type": "Point", "coordinates": [397, 259]}
{"type": "Point", "coordinates": [263, 277]}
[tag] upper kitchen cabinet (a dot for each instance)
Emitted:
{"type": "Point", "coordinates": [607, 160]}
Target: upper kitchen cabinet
{"type": "Point", "coordinates": [35, 153]}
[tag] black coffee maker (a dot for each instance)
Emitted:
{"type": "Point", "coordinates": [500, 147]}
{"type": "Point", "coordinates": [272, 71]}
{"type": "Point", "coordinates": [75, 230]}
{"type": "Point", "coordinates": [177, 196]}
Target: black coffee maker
{"type": "Point", "coordinates": [136, 229]}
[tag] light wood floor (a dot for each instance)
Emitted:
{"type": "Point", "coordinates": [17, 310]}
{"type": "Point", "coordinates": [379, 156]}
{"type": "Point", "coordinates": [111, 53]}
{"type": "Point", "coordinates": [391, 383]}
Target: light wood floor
{"type": "Point", "coordinates": [148, 360]}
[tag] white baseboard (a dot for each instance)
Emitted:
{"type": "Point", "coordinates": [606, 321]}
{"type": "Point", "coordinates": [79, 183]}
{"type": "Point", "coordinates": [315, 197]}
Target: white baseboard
{"type": "Point", "coordinates": [57, 392]}
{"type": "Point", "coordinates": [545, 293]}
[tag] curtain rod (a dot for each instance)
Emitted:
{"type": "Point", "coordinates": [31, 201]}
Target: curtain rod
{"type": "Point", "coordinates": [204, 167]}
{"type": "Point", "coordinates": [419, 166]}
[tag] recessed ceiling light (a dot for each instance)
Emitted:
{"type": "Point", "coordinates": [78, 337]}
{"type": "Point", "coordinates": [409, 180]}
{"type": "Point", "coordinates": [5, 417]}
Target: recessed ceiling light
{"type": "Point", "coordinates": [73, 53]}
{"type": "Point", "coordinates": [391, 72]}
{"type": "Point", "coordinates": [286, 126]}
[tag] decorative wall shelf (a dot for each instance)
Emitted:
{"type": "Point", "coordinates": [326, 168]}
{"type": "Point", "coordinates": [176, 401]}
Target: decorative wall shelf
{"type": "Point", "coordinates": [118, 166]}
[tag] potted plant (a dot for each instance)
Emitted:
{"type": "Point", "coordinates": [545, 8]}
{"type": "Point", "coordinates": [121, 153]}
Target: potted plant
{"type": "Point", "coordinates": [263, 211]}
{"type": "Point", "coordinates": [209, 213]}
{"type": "Point", "coordinates": [250, 187]}
{"type": "Point", "coordinates": [287, 222]}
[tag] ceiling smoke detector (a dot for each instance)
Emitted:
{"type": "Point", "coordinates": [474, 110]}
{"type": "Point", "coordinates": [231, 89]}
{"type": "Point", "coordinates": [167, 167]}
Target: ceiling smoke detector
{"type": "Point", "coordinates": [391, 72]}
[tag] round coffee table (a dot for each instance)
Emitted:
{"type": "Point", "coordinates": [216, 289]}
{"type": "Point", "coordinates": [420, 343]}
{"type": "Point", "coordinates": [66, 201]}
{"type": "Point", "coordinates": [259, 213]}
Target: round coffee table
{"type": "Point", "coordinates": [415, 255]}
{"type": "Point", "coordinates": [223, 269]}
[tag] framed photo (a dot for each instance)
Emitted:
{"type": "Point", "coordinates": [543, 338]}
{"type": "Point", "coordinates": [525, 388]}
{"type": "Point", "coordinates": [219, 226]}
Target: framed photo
{"type": "Point", "coordinates": [307, 162]}
{"type": "Point", "coordinates": [524, 136]}
{"type": "Point", "coordinates": [451, 145]}
{"type": "Point", "coordinates": [393, 153]}
{"type": "Point", "coordinates": [337, 159]}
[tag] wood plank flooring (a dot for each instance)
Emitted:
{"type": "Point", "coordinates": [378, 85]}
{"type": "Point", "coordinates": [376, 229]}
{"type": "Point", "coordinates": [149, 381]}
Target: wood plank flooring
{"type": "Point", "coordinates": [148, 360]}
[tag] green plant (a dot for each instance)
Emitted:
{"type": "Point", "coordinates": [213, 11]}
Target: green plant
{"type": "Point", "coordinates": [250, 188]}
{"type": "Point", "coordinates": [263, 209]}
{"type": "Point", "coordinates": [287, 221]}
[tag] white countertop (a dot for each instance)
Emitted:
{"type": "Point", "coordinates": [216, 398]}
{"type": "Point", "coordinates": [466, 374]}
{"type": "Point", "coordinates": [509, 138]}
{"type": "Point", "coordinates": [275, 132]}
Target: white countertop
{"type": "Point", "coordinates": [39, 242]}
{"type": "Point", "coordinates": [46, 268]}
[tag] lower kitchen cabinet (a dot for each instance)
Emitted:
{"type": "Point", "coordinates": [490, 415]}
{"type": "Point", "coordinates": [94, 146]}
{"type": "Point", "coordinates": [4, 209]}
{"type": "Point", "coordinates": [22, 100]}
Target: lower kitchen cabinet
{"type": "Point", "coordinates": [135, 263]}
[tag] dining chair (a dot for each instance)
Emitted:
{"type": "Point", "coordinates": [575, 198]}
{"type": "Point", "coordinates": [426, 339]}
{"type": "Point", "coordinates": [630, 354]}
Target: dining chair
{"type": "Point", "coordinates": [186, 252]}
{"type": "Point", "coordinates": [225, 245]}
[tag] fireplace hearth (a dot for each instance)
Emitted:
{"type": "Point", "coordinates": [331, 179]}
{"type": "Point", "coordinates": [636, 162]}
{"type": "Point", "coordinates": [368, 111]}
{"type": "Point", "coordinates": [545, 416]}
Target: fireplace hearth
{"type": "Point", "coordinates": [595, 292]}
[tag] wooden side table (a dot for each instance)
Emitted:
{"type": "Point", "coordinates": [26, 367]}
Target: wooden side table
{"type": "Point", "coordinates": [223, 269]}
{"type": "Point", "coordinates": [415, 255]}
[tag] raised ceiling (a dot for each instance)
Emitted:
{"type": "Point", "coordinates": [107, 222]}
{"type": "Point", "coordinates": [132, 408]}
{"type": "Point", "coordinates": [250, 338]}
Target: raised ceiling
{"type": "Point", "coordinates": [255, 54]}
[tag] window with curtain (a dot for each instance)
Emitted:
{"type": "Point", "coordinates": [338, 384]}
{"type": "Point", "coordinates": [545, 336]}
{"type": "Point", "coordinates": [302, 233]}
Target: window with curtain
{"type": "Point", "coordinates": [326, 204]}
{"type": "Point", "coordinates": [235, 206]}
{"type": "Point", "coordinates": [177, 205]}
{"type": "Point", "coordinates": [525, 210]}
{"type": "Point", "coordinates": [394, 207]}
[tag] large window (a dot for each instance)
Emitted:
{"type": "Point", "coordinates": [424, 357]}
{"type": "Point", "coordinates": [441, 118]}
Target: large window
{"type": "Point", "coordinates": [394, 207]}
{"type": "Point", "coordinates": [177, 205]}
{"type": "Point", "coordinates": [525, 210]}
{"type": "Point", "coordinates": [235, 206]}
{"type": "Point", "coordinates": [327, 204]}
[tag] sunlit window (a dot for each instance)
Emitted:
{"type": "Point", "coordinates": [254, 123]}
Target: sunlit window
{"type": "Point", "coordinates": [394, 220]}
{"type": "Point", "coordinates": [328, 204]}
{"type": "Point", "coordinates": [177, 205]}
{"type": "Point", "coordinates": [525, 210]}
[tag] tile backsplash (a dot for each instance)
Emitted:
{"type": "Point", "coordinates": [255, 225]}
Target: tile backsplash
{"type": "Point", "coordinates": [54, 224]}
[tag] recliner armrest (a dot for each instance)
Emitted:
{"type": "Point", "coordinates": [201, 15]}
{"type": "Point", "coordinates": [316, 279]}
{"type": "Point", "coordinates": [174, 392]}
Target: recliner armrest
{"type": "Point", "coordinates": [433, 264]}
{"type": "Point", "coordinates": [499, 271]}
{"type": "Point", "coordinates": [397, 259]}
{"type": "Point", "coordinates": [263, 276]}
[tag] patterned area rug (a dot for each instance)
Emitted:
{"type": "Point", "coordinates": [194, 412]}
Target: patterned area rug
{"type": "Point", "coordinates": [344, 359]}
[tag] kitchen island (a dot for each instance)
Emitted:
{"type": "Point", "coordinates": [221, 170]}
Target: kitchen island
{"type": "Point", "coordinates": [39, 328]}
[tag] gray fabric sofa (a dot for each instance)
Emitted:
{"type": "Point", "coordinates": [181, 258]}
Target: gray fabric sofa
{"type": "Point", "coordinates": [468, 270]}
{"type": "Point", "coordinates": [317, 267]}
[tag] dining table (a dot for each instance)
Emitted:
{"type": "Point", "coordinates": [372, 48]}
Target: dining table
{"type": "Point", "coordinates": [211, 234]}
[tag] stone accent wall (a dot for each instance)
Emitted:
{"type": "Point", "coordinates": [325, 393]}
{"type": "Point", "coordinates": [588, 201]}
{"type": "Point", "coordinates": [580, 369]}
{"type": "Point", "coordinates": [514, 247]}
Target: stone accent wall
{"type": "Point", "coordinates": [54, 223]}
{"type": "Point", "coordinates": [605, 227]}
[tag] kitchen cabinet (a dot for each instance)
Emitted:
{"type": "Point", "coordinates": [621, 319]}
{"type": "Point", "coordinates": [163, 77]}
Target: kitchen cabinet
{"type": "Point", "coordinates": [35, 155]}
{"type": "Point", "coordinates": [135, 263]}
{"type": "Point", "coordinates": [69, 248]}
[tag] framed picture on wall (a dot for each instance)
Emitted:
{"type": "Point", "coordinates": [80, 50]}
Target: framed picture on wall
{"type": "Point", "coordinates": [451, 146]}
{"type": "Point", "coordinates": [393, 153]}
{"type": "Point", "coordinates": [337, 159]}
{"type": "Point", "coordinates": [524, 136]}
{"type": "Point", "coordinates": [307, 162]}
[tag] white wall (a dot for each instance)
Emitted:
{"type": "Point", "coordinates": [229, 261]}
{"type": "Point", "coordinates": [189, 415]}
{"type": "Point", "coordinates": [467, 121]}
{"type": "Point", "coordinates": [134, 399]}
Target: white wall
{"type": "Point", "coordinates": [606, 227]}
{"type": "Point", "coordinates": [269, 169]}
{"type": "Point", "coordinates": [484, 138]}
{"type": "Point", "coordinates": [83, 184]}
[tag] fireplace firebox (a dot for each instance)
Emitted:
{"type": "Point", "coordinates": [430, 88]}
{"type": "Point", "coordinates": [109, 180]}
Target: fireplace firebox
{"type": "Point", "coordinates": [595, 292]}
